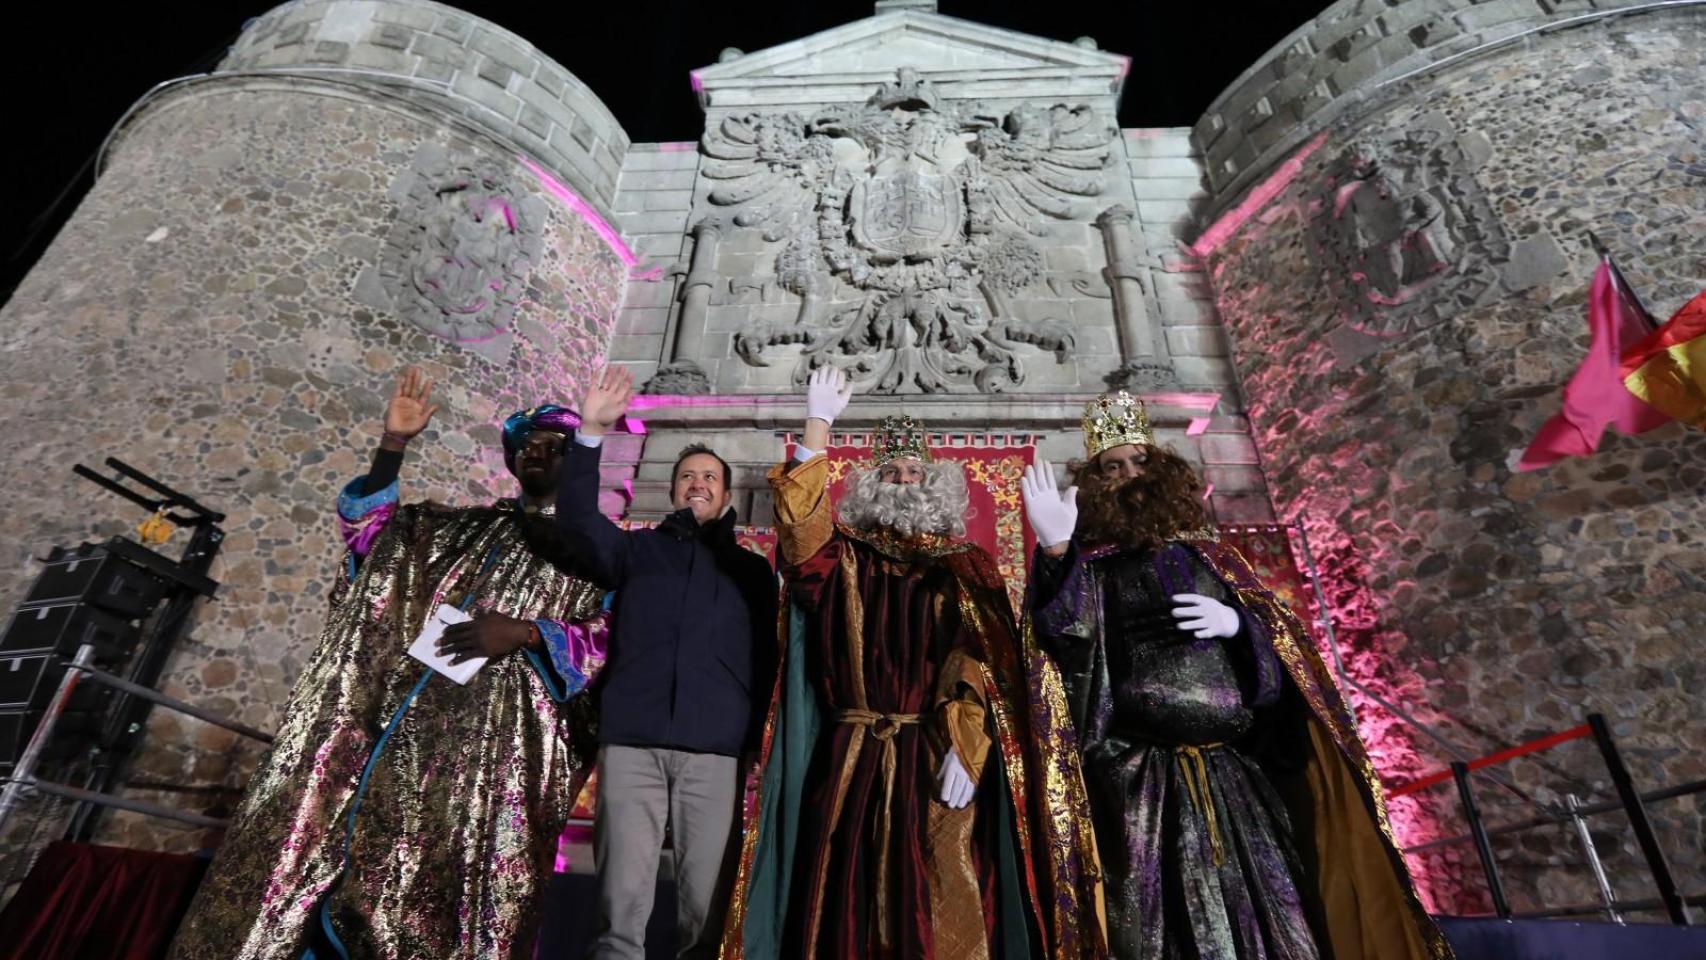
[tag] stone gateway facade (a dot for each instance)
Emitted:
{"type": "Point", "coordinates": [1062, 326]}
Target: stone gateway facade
{"type": "Point", "coordinates": [1348, 294]}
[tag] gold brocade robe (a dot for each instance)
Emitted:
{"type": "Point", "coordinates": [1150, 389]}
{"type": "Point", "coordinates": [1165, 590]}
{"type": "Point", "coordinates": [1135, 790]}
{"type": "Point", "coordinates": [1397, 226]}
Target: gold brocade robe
{"type": "Point", "coordinates": [459, 818]}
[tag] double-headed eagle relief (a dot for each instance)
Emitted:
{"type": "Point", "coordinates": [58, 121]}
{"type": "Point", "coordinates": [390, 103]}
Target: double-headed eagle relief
{"type": "Point", "coordinates": [907, 223]}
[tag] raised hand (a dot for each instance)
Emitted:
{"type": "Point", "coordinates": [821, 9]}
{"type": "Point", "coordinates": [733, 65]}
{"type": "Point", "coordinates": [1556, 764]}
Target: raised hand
{"type": "Point", "coordinates": [606, 400]}
{"type": "Point", "coordinates": [1205, 617]}
{"type": "Point", "coordinates": [827, 394]}
{"type": "Point", "coordinates": [1053, 513]}
{"type": "Point", "coordinates": [409, 410]}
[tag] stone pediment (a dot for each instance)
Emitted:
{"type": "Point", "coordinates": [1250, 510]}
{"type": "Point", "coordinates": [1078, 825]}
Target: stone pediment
{"type": "Point", "coordinates": [964, 60]}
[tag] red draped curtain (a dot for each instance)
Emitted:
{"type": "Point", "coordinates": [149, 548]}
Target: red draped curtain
{"type": "Point", "coordinates": [88, 902]}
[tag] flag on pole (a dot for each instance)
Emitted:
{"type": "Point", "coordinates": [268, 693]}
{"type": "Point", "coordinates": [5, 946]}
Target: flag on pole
{"type": "Point", "coordinates": [1667, 369]}
{"type": "Point", "coordinates": [1596, 396]}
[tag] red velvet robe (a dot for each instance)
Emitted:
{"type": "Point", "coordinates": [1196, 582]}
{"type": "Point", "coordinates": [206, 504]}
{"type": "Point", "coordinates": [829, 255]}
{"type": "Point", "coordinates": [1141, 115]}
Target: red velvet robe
{"type": "Point", "coordinates": [894, 651]}
{"type": "Point", "coordinates": [912, 628]}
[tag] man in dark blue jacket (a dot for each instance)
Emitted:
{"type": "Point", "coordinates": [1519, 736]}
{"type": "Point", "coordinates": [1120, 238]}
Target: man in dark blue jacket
{"type": "Point", "coordinates": [694, 645]}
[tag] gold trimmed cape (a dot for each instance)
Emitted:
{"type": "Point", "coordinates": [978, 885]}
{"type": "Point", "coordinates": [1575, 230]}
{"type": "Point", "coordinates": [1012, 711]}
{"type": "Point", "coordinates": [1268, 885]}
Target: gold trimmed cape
{"type": "Point", "coordinates": [1344, 835]}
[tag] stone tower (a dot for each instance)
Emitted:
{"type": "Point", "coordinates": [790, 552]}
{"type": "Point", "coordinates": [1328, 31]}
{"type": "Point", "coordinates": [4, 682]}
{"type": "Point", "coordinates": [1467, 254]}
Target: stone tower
{"type": "Point", "coordinates": [1398, 246]}
{"type": "Point", "coordinates": [358, 186]}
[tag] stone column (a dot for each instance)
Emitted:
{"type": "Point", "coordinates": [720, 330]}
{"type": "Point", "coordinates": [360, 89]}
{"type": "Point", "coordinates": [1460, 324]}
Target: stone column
{"type": "Point", "coordinates": [683, 374]}
{"type": "Point", "coordinates": [1145, 365]}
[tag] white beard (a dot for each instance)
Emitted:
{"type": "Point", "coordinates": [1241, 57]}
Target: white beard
{"type": "Point", "coordinates": [938, 505]}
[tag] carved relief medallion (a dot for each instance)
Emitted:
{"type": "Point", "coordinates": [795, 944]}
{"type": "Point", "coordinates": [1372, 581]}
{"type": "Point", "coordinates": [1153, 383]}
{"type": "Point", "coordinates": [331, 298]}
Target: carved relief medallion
{"type": "Point", "coordinates": [466, 236]}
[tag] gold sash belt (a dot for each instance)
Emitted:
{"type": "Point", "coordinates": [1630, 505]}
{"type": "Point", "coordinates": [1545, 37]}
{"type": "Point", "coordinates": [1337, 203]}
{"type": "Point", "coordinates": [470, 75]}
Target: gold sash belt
{"type": "Point", "coordinates": [882, 727]}
{"type": "Point", "coordinates": [1195, 767]}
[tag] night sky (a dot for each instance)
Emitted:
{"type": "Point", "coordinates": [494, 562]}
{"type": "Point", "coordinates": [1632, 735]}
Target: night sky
{"type": "Point", "coordinates": [72, 69]}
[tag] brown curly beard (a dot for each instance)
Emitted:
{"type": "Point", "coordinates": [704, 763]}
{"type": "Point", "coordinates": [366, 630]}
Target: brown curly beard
{"type": "Point", "coordinates": [1143, 512]}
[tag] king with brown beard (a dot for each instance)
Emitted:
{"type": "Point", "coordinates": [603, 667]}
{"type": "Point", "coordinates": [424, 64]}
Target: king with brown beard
{"type": "Point", "coordinates": [1235, 808]}
{"type": "Point", "coordinates": [916, 800]}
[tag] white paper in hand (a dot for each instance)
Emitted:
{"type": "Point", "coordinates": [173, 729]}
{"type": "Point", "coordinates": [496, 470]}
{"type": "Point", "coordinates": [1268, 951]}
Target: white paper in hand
{"type": "Point", "coordinates": [425, 647]}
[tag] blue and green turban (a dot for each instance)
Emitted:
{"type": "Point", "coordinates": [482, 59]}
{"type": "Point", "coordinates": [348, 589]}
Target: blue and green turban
{"type": "Point", "coordinates": [522, 423]}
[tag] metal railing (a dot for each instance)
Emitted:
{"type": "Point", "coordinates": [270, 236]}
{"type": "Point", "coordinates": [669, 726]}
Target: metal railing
{"type": "Point", "coordinates": [23, 780]}
{"type": "Point", "coordinates": [1632, 802]}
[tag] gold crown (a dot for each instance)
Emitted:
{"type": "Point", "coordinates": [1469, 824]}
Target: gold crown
{"type": "Point", "coordinates": [1112, 421]}
{"type": "Point", "coordinates": [898, 438]}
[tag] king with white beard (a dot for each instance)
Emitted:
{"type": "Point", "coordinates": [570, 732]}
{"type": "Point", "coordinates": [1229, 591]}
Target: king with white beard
{"type": "Point", "coordinates": [912, 803]}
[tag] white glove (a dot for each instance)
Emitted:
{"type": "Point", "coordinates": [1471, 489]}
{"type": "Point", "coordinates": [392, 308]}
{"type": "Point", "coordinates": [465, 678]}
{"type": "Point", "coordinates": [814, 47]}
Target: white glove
{"type": "Point", "coordinates": [827, 393]}
{"type": "Point", "coordinates": [1205, 616]}
{"type": "Point", "coordinates": [957, 784]}
{"type": "Point", "coordinates": [1053, 514]}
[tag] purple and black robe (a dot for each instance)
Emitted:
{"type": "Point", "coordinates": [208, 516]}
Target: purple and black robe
{"type": "Point", "coordinates": [1235, 810]}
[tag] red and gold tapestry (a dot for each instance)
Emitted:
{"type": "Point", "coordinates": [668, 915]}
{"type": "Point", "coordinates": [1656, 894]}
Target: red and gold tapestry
{"type": "Point", "coordinates": [1267, 547]}
{"type": "Point", "coordinates": [996, 520]}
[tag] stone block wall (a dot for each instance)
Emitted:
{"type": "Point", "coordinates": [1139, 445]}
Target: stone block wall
{"type": "Point", "coordinates": [654, 200]}
{"type": "Point", "coordinates": [1010, 145]}
{"type": "Point", "coordinates": [1328, 66]}
{"type": "Point", "coordinates": [1098, 297]}
{"type": "Point", "coordinates": [202, 316]}
{"type": "Point", "coordinates": [1169, 199]}
{"type": "Point", "coordinates": [746, 292]}
{"type": "Point", "coordinates": [475, 70]}
{"type": "Point", "coordinates": [963, 58]}
{"type": "Point", "coordinates": [1405, 310]}
{"type": "Point", "coordinates": [1156, 173]}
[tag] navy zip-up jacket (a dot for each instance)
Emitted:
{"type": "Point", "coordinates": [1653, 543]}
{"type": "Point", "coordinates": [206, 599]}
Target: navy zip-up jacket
{"type": "Point", "coordinates": [692, 648]}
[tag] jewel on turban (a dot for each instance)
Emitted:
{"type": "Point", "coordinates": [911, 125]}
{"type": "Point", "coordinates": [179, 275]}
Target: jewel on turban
{"type": "Point", "coordinates": [522, 423]}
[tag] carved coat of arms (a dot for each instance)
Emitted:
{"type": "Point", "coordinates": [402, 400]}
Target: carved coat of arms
{"type": "Point", "coordinates": [907, 224]}
{"type": "Point", "coordinates": [466, 238]}
{"type": "Point", "coordinates": [1401, 215]}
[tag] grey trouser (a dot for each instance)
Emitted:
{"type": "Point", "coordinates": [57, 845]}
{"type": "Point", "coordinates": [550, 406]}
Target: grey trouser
{"type": "Point", "coordinates": [640, 789]}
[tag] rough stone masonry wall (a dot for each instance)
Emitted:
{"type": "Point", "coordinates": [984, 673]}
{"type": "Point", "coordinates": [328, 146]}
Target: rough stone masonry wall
{"type": "Point", "coordinates": [200, 318]}
{"type": "Point", "coordinates": [1404, 314]}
